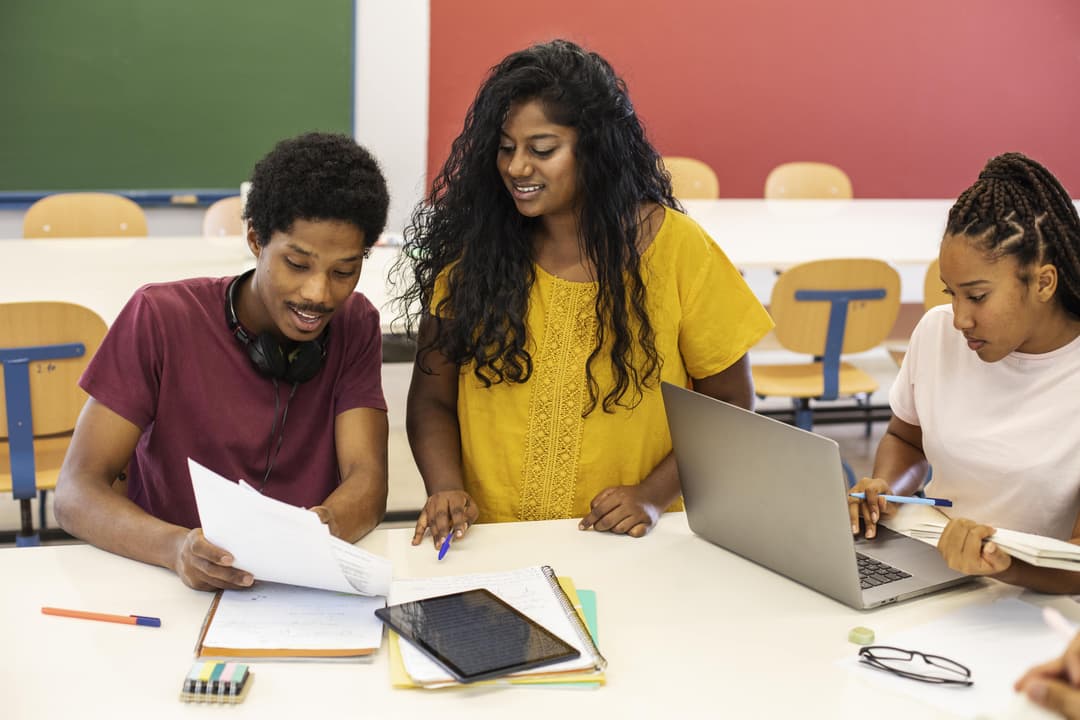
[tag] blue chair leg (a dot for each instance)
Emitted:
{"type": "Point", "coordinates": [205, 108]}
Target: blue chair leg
{"type": "Point", "coordinates": [848, 473]}
{"type": "Point", "coordinates": [27, 537]}
{"type": "Point", "coordinates": [804, 416]}
{"type": "Point", "coordinates": [869, 413]}
{"type": "Point", "coordinates": [41, 510]}
{"type": "Point", "coordinates": [921, 492]}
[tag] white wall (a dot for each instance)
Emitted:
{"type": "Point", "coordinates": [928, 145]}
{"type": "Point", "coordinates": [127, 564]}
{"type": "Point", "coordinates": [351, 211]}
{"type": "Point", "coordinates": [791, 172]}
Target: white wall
{"type": "Point", "coordinates": [391, 113]}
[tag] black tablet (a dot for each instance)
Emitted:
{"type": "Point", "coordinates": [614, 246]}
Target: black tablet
{"type": "Point", "coordinates": [475, 635]}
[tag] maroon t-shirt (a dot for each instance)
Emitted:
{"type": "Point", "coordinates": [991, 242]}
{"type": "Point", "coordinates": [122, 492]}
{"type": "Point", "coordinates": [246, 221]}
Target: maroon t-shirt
{"type": "Point", "coordinates": [170, 365]}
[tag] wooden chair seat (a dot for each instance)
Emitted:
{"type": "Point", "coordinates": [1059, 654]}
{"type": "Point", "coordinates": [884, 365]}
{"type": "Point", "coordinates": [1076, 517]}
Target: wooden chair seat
{"type": "Point", "coordinates": [897, 353]}
{"type": "Point", "coordinates": [807, 380]}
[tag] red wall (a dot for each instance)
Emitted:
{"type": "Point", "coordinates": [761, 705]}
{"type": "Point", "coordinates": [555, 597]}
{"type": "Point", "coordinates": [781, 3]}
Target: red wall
{"type": "Point", "coordinates": [910, 97]}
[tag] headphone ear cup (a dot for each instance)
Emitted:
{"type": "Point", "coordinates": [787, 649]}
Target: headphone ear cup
{"type": "Point", "coordinates": [304, 362]}
{"type": "Point", "coordinates": [267, 357]}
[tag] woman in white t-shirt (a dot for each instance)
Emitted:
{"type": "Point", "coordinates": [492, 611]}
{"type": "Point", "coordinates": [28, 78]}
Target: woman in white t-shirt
{"type": "Point", "coordinates": [986, 394]}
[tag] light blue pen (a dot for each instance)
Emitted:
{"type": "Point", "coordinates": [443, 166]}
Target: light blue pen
{"type": "Point", "coordinates": [908, 499]}
{"type": "Point", "coordinates": [446, 544]}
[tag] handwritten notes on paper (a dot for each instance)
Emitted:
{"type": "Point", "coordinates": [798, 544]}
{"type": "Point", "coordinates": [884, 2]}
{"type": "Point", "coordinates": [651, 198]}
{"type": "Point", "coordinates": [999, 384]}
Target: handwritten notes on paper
{"type": "Point", "coordinates": [278, 542]}
{"type": "Point", "coordinates": [272, 620]}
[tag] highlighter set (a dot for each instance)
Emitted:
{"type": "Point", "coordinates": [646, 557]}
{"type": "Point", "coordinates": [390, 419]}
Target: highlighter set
{"type": "Point", "coordinates": [217, 682]}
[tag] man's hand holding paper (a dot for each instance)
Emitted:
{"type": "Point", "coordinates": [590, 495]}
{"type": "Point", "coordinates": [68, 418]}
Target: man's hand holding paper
{"type": "Point", "coordinates": [204, 566]}
{"type": "Point", "coordinates": [277, 542]}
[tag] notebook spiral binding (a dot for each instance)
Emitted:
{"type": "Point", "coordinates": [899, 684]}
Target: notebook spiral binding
{"type": "Point", "coordinates": [599, 660]}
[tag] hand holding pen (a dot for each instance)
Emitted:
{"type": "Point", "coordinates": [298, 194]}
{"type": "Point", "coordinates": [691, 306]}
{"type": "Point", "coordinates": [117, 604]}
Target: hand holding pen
{"type": "Point", "coordinates": [871, 498]}
{"type": "Point", "coordinates": [907, 499]}
{"type": "Point", "coordinates": [445, 514]}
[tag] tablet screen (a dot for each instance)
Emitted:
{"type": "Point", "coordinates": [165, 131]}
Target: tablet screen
{"type": "Point", "coordinates": [475, 635]}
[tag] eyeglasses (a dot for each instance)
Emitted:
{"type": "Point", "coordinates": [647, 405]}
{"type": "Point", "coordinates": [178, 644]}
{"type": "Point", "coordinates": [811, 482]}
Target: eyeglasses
{"type": "Point", "coordinates": [915, 665]}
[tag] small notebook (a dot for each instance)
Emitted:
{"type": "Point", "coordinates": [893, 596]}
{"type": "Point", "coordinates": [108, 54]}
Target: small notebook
{"type": "Point", "coordinates": [270, 620]}
{"type": "Point", "coordinates": [534, 591]}
{"type": "Point", "coordinates": [1033, 549]}
{"type": "Point", "coordinates": [217, 682]}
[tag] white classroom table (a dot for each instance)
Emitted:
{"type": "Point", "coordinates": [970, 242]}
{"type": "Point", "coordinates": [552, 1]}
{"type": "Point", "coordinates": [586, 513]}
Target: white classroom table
{"type": "Point", "coordinates": [759, 236]}
{"type": "Point", "coordinates": [102, 273]}
{"type": "Point", "coordinates": [778, 233]}
{"type": "Point", "coordinates": [689, 631]}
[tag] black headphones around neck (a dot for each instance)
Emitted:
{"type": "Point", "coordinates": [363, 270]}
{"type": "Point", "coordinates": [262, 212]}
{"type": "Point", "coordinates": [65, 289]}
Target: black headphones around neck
{"type": "Point", "coordinates": [267, 355]}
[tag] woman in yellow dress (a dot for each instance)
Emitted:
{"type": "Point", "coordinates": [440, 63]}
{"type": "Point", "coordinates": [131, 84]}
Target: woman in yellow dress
{"type": "Point", "coordinates": [556, 284]}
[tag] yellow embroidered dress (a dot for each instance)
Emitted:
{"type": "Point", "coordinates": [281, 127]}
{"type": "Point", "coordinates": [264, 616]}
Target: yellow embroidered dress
{"type": "Point", "coordinates": [528, 453]}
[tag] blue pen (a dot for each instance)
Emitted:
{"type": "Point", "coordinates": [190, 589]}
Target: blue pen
{"type": "Point", "coordinates": [908, 499]}
{"type": "Point", "coordinates": [446, 544]}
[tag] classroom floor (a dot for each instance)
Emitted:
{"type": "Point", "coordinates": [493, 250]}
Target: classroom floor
{"type": "Point", "coordinates": [407, 490]}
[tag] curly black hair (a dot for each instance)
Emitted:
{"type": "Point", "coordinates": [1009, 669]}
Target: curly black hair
{"type": "Point", "coordinates": [1017, 207]}
{"type": "Point", "coordinates": [469, 224]}
{"type": "Point", "coordinates": [317, 176]}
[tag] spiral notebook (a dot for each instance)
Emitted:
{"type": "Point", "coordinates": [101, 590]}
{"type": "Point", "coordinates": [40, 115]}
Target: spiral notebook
{"type": "Point", "coordinates": [534, 591]}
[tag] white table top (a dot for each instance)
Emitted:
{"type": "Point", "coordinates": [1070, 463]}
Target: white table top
{"type": "Point", "coordinates": [776, 233]}
{"type": "Point", "coordinates": [757, 235]}
{"type": "Point", "coordinates": [689, 630]}
{"type": "Point", "coordinates": [762, 235]}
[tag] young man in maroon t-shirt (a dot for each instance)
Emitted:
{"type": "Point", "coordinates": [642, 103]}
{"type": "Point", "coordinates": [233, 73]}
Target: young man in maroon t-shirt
{"type": "Point", "coordinates": [273, 377]}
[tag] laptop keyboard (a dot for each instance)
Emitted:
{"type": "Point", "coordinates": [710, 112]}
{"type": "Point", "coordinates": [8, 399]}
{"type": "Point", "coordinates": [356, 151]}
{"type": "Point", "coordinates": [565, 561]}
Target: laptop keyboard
{"type": "Point", "coordinates": [873, 573]}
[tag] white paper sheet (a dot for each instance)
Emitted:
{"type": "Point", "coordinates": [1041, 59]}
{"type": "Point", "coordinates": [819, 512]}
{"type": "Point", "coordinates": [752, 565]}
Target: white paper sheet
{"type": "Point", "coordinates": [277, 542]}
{"type": "Point", "coordinates": [997, 641]}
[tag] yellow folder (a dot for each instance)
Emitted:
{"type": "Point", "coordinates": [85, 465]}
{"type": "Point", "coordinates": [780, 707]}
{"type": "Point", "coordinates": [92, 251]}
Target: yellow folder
{"type": "Point", "coordinates": [399, 677]}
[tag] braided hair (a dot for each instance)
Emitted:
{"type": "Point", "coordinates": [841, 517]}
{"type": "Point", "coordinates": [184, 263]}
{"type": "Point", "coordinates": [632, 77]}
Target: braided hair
{"type": "Point", "coordinates": [470, 233]}
{"type": "Point", "coordinates": [1018, 208]}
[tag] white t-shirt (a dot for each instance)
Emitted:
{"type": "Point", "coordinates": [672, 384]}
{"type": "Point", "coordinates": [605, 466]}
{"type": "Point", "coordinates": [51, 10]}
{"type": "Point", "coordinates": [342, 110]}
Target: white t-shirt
{"type": "Point", "coordinates": [1003, 438]}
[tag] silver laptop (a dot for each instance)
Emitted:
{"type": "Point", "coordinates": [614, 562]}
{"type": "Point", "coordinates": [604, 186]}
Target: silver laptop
{"type": "Point", "coordinates": [776, 495]}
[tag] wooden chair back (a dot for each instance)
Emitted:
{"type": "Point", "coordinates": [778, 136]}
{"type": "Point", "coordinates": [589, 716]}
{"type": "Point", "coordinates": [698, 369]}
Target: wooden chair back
{"type": "Point", "coordinates": [224, 218]}
{"type": "Point", "coordinates": [92, 214]}
{"type": "Point", "coordinates": [807, 180]}
{"type": "Point", "coordinates": [933, 288]}
{"type": "Point", "coordinates": [802, 326]}
{"type": "Point", "coordinates": [55, 396]}
{"type": "Point", "coordinates": [691, 178]}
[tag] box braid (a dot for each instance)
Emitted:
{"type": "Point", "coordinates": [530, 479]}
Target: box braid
{"type": "Point", "coordinates": [1018, 208]}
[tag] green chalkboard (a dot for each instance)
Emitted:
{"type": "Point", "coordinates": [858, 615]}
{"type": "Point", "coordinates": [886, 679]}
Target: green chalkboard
{"type": "Point", "coordinates": [159, 94]}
